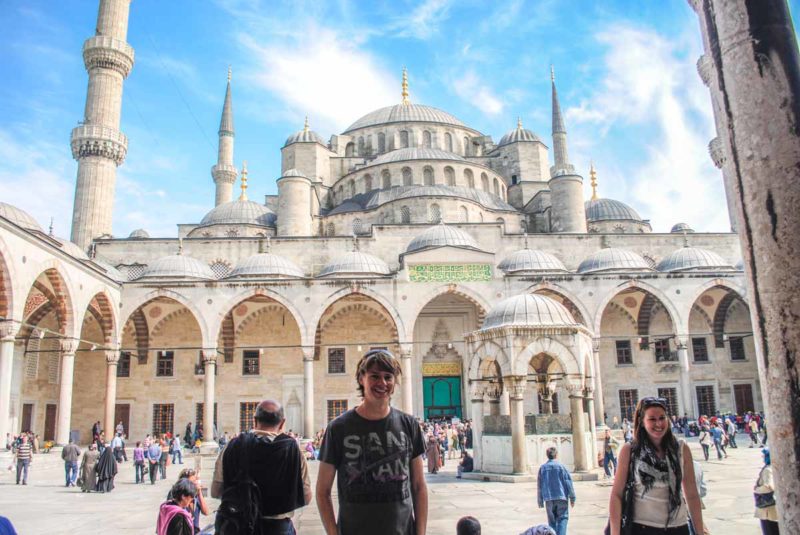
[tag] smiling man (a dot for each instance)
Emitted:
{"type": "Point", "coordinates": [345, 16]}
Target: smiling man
{"type": "Point", "coordinates": [375, 452]}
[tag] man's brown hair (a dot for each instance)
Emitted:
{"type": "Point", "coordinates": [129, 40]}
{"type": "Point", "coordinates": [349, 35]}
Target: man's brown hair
{"type": "Point", "coordinates": [381, 359]}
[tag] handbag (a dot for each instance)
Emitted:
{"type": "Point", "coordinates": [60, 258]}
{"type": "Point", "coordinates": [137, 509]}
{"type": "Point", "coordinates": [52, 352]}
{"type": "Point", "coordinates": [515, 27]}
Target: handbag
{"type": "Point", "coordinates": [764, 500]}
{"type": "Point", "coordinates": [626, 517]}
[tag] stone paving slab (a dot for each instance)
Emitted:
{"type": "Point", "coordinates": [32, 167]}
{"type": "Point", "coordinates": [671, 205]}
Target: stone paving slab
{"type": "Point", "coordinates": [46, 506]}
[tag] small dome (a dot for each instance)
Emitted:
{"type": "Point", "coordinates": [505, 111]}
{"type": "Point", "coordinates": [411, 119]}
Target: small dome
{"type": "Point", "coordinates": [517, 135]}
{"type": "Point", "coordinates": [111, 271]}
{"type": "Point", "coordinates": [681, 227]}
{"type": "Point", "coordinates": [401, 113]}
{"type": "Point", "coordinates": [610, 210]}
{"type": "Point", "coordinates": [72, 249]}
{"type": "Point", "coordinates": [692, 259]}
{"type": "Point", "coordinates": [139, 234]}
{"type": "Point", "coordinates": [442, 236]}
{"type": "Point", "coordinates": [530, 260]}
{"type": "Point", "coordinates": [416, 153]}
{"type": "Point", "coordinates": [241, 212]}
{"type": "Point", "coordinates": [178, 266]}
{"type": "Point", "coordinates": [528, 309]}
{"type": "Point", "coordinates": [18, 217]}
{"type": "Point", "coordinates": [613, 260]}
{"type": "Point", "coordinates": [266, 265]}
{"type": "Point", "coordinates": [355, 263]}
{"type": "Point", "coordinates": [305, 136]}
{"type": "Point", "coordinates": [293, 172]}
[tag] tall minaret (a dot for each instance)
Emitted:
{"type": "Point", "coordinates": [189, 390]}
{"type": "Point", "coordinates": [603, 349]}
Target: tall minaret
{"type": "Point", "coordinates": [224, 172]}
{"type": "Point", "coordinates": [97, 143]}
{"type": "Point", "coordinates": [567, 211]}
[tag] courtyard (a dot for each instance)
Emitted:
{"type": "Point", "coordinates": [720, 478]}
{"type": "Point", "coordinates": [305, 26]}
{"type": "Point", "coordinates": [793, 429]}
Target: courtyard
{"type": "Point", "coordinates": [46, 506]}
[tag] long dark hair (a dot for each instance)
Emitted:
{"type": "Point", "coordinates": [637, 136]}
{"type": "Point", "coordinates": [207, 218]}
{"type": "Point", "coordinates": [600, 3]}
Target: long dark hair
{"type": "Point", "coordinates": [640, 436]}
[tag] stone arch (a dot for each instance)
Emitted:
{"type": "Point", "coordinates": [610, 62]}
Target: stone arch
{"type": "Point", "coordinates": [102, 307]}
{"type": "Point", "coordinates": [7, 275]}
{"type": "Point", "coordinates": [721, 315]}
{"type": "Point", "coordinates": [624, 312]}
{"type": "Point", "coordinates": [702, 313]}
{"type": "Point", "coordinates": [571, 364]}
{"type": "Point", "coordinates": [568, 299]}
{"type": "Point", "coordinates": [481, 305]}
{"type": "Point", "coordinates": [367, 182]}
{"type": "Point", "coordinates": [386, 179]}
{"type": "Point", "coordinates": [428, 178]}
{"type": "Point", "coordinates": [487, 352]}
{"type": "Point", "coordinates": [672, 311]}
{"type": "Point", "coordinates": [408, 176]}
{"type": "Point", "coordinates": [228, 307]}
{"type": "Point", "coordinates": [271, 306]}
{"type": "Point", "coordinates": [59, 298]}
{"type": "Point", "coordinates": [164, 294]}
{"type": "Point", "coordinates": [449, 176]}
{"type": "Point", "coordinates": [727, 284]}
{"type": "Point", "coordinates": [158, 327]}
{"type": "Point", "coordinates": [386, 306]}
{"type": "Point", "coordinates": [469, 178]}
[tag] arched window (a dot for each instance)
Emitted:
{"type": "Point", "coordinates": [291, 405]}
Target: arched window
{"type": "Point", "coordinates": [351, 188]}
{"type": "Point", "coordinates": [369, 146]}
{"type": "Point", "coordinates": [408, 178]}
{"type": "Point", "coordinates": [427, 176]}
{"type": "Point", "coordinates": [469, 178]}
{"type": "Point", "coordinates": [381, 143]}
{"type": "Point", "coordinates": [386, 179]}
{"type": "Point", "coordinates": [463, 214]}
{"type": "Point", "coordinates": [403, 139]}
{"type": "Point", "coordinates": [502, 222]}
{"type": "Point", "coordinates": [448, 142]}
{"type": "Point", "coordinates": [405, 214]}
{"type": "Point", "coordinates": [349, 150]}
{"type": "Point", "coordinates": [485, 182]}
{"type": "Point", "coordinates": [435, 213]}
{"type": "Point", "coordinates": [466, 146]}
{"type": "Point", "coordinates": [330, 229]}
{"type": "Point", "coordinates": [361, 146]}
{"type": "Point", "coordinates": [367, 183]}
{"type": "Point", "coordinates": [356, 226]}
{"type": "Point", "coordinates": [449, 176]}
{"type": "Point", "coordinates": [496, 187]}
{"type": "Point", "coordinates": [426, 139]}
{"type": "Point", "coordinates": [340, 194]}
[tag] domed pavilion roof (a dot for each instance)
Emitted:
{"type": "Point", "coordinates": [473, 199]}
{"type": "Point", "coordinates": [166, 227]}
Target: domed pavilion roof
{"type": "Point", "coordinates": [517, 135]}
{"type": "Point", "coordinates": [305, 136]}
{"type": "Point", "coordinates": [610, 210]}
{"type": "Point", "coordinates": [693, 259]}
{"type": "Point", "coordinates": [442, 236]}
{"type": "Point", "coordinates": [528, 260]}
{"type": "Point", "coordinates": [72, 249]}
{"type": "Point", "coordinates": [681, 227]}
{"type": "Point", "coordinates": [401, 113]}
{"type": "Point", "coordinates": [178, 266]}
{"type": "Point", "coordinates": [240, 212]}
{"type": "Point", "coordinates": [139, 234]}
{"type": "Point", "coordinates": [528, 310]}
{"type": "Point", "coordinates": [612, 259]}
{"type": "Point", "coordinates": [355, 263]}
{"type": "Point", "coordinates": [19, 217]}
{"type": "Point", "coordinates": [416, 153]}
{"type": "Point", "coordinates": [266, 265]}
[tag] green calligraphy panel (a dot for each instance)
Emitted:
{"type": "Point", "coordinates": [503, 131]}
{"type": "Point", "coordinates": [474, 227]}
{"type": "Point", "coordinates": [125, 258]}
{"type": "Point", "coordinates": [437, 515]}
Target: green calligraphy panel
{"type": "Point", "coordinates": [450, 273]}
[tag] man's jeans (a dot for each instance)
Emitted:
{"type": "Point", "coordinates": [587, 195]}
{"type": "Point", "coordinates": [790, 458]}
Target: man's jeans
{"type": "Point", "coordinates": [22, 468]}
{"type": "Point", "coordinates": [277, 527]}
{"type": "Point", "coordinates": [179, 455]}
{"type": "Point", "coordinates": [557, 515]}
{"type": "Point", "coordinates": [71, 469]}
{"type": "Point", "coordinates": [609, 458]}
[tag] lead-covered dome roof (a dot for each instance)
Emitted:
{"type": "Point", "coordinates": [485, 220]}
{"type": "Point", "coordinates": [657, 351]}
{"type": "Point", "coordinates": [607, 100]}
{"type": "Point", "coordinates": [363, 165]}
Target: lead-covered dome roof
{"type": "Point", "coordinates": [681, 227]}
{"type": "Point", "coordinates": [416, 153]}
{"type": "Point", "coordinates": [240, 212]}
{"type": "Point", "coordinates": [517, 135]}
{"type": "Point", "coordinates": [375, 198]}
{"type": "Point", "coordinates": [178, 266]}
{"type": "Point", "coordinates": [693, 259]}
{"type": "Point", "coordinates": [266, 265]}
{"type": "Point", "coordinates": [305, 136]}
{"type": "Point", "coordinates": [613, 259]}
{"type": "Point", "coordinates": [19, 217]}
{"type": "Point", "coordinates": [355, 263]}
{"type": "Point", "coordinates": [528, 260]}
{"type": "Point", "coordinates": [528, 310]}
{"type": "Point", "coordinates": [72, 249]}
{"type": "Point", "coordinates": [401, 113]}
{"type": "Point", "coordinates": [139, 234]}
{"type": "Point", "coordinates": [610, 210]}
{"type": "Point", "coordinates": [442, 236]}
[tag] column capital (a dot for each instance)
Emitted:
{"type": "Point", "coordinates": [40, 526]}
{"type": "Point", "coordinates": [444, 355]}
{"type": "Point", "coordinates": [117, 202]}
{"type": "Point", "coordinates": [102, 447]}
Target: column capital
{"type": "Point", "coordinates": [588, 390]}
{"type": "Point", "coordinates": [112, 357]}
{"type": "Point", "coordinates": [477, 390]}
{"type": "Point", "coordinates": [68, 346]}
{"type": "Point", "coordinates": [308, 353]}
{"type": "Point", "coordinates": [515, 385]}
{"type": "Point", "coordinates": [681, 341]}
{"type": "Point", "coordinates": [406, 351]}
{"type": "Point", "coordinates": [574, 385]}
{"type": "Point", "coordinates": [209, 356]}
{"type": "Point", "coordinates": [8, 330]}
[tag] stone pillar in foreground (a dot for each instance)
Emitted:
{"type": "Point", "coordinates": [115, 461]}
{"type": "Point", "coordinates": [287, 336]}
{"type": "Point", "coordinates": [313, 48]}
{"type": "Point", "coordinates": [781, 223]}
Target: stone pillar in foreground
{"type": "Point", "coordinates": [308, 392]}
{"type": "Point", "coordinates": [575, 389]}
{"type": "Point", "coordinates": [8, 332]}
{"type": "Point", "coordinates": [68, 348]}
{"type": "Point", "coordinates": [209, 378]}
{"type": "Point", "coordinates": [406, 381]}
{"type": "Point", "coordinates": [112, 360]}
{"type": "Point", "coordinates": [751, 49]}
{"type": "Point", "coordinates": [519, 451]}
{"type": "Point", "coordinates": [685, 380]}
{"type": "Point", "coordinates": [588, 403]}
{"type": "Point", "coordinates": [476, 392]}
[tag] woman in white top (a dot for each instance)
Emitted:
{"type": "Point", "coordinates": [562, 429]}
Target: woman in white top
{"type": "Point", "coordinates": [662, 478]}
{"type": "Point", "coordinates": [766, 511]}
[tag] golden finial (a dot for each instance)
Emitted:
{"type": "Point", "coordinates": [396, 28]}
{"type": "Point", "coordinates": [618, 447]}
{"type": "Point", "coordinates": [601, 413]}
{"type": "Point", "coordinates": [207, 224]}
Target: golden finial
{"type": "Point", "coordinates": [405, 87]}
{"type": "Point", "coordinates": [243, 196]}
{"type": "Point", "coordinates": [229, 73]}
{"type": "Point", "coordinates": [519, 123]}
{"type": "Point", "coordinates": [552, 73]}
{"type": "Point", "coordinates": [305, 126]}
{"type": "Point", "coordinates": [593, 175]}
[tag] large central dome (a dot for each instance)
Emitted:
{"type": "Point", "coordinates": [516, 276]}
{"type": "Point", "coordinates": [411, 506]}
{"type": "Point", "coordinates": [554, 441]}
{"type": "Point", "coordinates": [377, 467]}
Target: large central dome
{"type": "Point", "coordinates": [400, 113]}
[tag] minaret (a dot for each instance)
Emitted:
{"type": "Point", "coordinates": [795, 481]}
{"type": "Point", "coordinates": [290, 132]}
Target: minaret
{"type": "Point", "coordinates": [97, 143]}
{"type": "Point", "coordinates": [404, 92]}
{"type": "Point", "coordinates": [224, 172]}
{"type": "Point", "coordinates": [567, 211]}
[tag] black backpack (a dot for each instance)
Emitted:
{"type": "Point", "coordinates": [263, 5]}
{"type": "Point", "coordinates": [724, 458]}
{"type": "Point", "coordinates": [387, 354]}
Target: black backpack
{"type": "Point", "coordinates": [239, 512]}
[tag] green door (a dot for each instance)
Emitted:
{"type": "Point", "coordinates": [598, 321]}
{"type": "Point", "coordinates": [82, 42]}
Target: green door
{"type": "Point", "coordinates": [442, 396]}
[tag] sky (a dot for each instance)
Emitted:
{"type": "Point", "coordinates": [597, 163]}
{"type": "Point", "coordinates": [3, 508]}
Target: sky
{"type": "Point", "coordinates": [625, 70]}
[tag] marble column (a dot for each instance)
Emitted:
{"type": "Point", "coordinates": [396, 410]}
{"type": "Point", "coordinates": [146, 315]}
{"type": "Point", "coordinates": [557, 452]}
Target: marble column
{"type": "Point", "coordinates": [519, 451]}
{"type": "Point", "coordinates": [68, 348]}
{"type": "Point", "coordinates": [505, 402]}
{"type": "Point", "coordinates": [477, 391]}
{"type": "Point", "coordinates": [685, 380]}
{"type": "Point", "coordinates": [406, 380]}
{"type": "Point", "coordinates": [8, 332]}
{"type": "Point", "coordinates": [599, 402]}
{"type": "Point", "coordinates": [112, 360]}
{"type": "Point", "coordinates": [308, 392]}
{"type": "Point", "coordinates": [588, 405]}
{"type": "Point", "coordinates": [209, 378]}
{"type": "Point", "coordinates": [575, 389]}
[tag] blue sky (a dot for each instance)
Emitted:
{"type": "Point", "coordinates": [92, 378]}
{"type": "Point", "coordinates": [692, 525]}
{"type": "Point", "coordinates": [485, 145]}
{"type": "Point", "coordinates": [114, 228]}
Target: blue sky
{"type": "Point", "coordinates": [625, 72]}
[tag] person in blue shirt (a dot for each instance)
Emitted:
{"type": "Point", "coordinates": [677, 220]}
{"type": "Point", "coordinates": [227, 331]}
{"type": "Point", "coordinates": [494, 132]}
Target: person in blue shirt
{"type": "Point", "coordinates": [718, 435]}
{"type": "Point", "coordinates": [554, 490]}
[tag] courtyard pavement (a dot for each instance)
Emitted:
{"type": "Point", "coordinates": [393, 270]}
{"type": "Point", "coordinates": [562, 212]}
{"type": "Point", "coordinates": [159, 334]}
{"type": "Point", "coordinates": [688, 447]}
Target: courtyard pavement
{"type": "Point", "coordinates": [46, 506]}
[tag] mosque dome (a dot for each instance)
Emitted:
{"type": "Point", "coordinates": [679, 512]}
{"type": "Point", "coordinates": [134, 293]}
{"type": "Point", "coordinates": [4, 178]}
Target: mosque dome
{"type": "Point", "coordinates": [376, 198]}
{"type": "Point", "coordinates": [530, 260]}
{"type": "Point", "coordinates": [611, 259]}
{"type": "Point", "coordinates": [517, 135]}
{"type": "Point", "coordinates": [178, 266]}
{"type": "Point", "coordinates": [442, 236]}
{"type": "Point", "coordinates": [266, 265]}
{"type": "Point", "coordinates": [416, 153]}
{"type": "Point", "coordinates": [528, 309]}
{"type": "Point", "coordinates": [19, 217]}
{"type": "Point", "coordinates": [681, 227]}
{"type": "Point", "coordinates": [610, 210]}
{"type": "Point", "coordinates": [240, 212]}
{"type": "Point", "coordinates": [692, 259]}
{"type": "Point", "coordinates": [355, 263]}
{"type": "Point", "coordinates": [405, 113]}
{"type": "Point", "coordinates": [305, 136]}
{"type": "Point", "coordinates": [111, 271]}
{"type": "Point", "coordinates": [139, 234]}
{"type": "Point", "coordinates": [72, 249]}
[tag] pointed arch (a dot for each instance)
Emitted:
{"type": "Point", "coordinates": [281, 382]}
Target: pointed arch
{"type": "Point", "coordinates": [162, 293]}
{"type": "Point", "coordinates": [488, 351]}
{"type": "Point", "coordinates": [101, 307]}
{"type": "Point", "coordinates": [228, 306]}
{"type": "Point", "coordinates": [669, 306]}
{"type": "Point", "coordinates": [481, 304]}
{"type": "Point", "coordinates": [7, 275]}
{"type": "Point", "coordinates": [727, 284]}
{"type": "Point", "coordinates": [571, 364]}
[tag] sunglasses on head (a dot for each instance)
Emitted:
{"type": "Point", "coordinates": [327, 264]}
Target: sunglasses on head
{"type": "Point", "coordinates": [653, 401]}
{"type": "Point", "coordinates": [372, 352]}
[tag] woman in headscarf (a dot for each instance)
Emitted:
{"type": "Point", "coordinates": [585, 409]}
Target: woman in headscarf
{"type": "Point", "coordinates": [173, 515]}
{"type": "Point", "coordinates": [764, 494]}
{"type": "Point", "coordinates": [88, 477]}
{"type": "Point", "coordinates": [106, 471]}
{"type": "Point", "coordinates": [432, 450]}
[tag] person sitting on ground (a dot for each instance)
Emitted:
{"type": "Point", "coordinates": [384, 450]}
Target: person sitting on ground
{"type": "Point", "coordinates": [467, 464]}
{"type": "Point", "coordinates": [173, 517]}
{"type": "Point", "coordinates": [468, 525]}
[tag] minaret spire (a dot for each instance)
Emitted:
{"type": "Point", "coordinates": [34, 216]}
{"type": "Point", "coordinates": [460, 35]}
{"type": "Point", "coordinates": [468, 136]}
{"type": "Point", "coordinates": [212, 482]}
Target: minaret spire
{"type": "Point", "coordinates": [97, 142]}
{"type": "Point", "coordinates": [405, 88]}
{"type": "Point", "coordinates": [224, 172]}
{"type": "Point", "coordinates": [560, 154]}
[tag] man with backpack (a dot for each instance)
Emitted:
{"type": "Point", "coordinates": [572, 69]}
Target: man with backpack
{"type": "Point", "coordinates": [261, 477]}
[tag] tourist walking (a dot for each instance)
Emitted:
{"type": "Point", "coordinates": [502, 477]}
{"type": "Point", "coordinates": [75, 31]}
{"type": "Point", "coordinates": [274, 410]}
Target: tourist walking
{"type": "Point", "coordinates": [173, 515]}
{"type": "Point", "coordinates": [730, 428]}
{"type": "Point", "coordinates": [554, 490]}
{"type": "Point", "coordinates": [433, 451]}
{"type": "Point", "coordinates": [375, 453]}
{"type": "Point", "coordinates": [120, 429]}
{"type": "Point", "coordinates": [116, 447]}
{"type": "Point", "coordinates": [106, 471]}
{"type": "Point", "coordinates": [280, 473]}
{"type": "Point", "coordinates": [718, 435]}
{"type": "Point", "coordinates": [610, 447]}
{"type": "Point", "coordinates": [177, 450]}
{"type": "Point", "coordinates": [764, 494]}
{"type": "Point", "coordinates": [154, 460]}
{"type": "Point", "coordinates": [753, 429]}
{"type": "Point", "coordinates": [706, 441]}
{"type": "Point", "coordinates": [88, 478]}
{"type": "Point", "coordinates": [655, 479]}
{"type": "Point", "coordinates": [24, 458]}
{"type": "Point", "coordinates": [138, 462]}
{"type": "Point", "coordinates": [70, 454]}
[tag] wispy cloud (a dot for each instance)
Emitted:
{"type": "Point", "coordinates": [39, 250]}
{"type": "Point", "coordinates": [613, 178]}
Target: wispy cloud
{"type": "Point", "coordinates": [474, 91]}
{"type": "Point", "coordinates": [423, 21]}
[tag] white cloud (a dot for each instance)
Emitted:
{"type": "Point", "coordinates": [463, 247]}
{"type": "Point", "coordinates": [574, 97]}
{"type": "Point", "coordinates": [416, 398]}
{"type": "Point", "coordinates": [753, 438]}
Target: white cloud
{"type": "Point", "coordinates": [474, 91]}
{"type": "Point", "coordinates": [423, 22]}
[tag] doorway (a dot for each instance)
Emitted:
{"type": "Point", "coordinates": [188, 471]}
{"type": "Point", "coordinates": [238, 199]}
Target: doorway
{"type": "Point", "coordinates": [50, 412]}
{"type": "Point", "coordinates": [743, 398]}
{"type": "Point", "coordinates": [122, 413]}
{"type": "Point", "coordinates": [442, 397]}
{"type": "Point", "coordinates": [27, 417]}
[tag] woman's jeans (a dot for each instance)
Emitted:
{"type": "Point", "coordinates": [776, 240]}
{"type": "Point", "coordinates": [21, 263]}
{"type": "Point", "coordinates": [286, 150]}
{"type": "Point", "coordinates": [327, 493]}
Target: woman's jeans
{"type": "Point", "coordinates": [706, 447]}
{"type": "Point", "coordinates": [139, 466]}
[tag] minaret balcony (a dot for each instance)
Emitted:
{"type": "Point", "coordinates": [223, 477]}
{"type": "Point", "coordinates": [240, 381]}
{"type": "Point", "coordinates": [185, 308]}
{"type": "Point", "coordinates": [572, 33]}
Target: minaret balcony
{"type": "Point", "coordinates": [104, 52]}
{"type": "Point", "coordinates": [96, 140]}
{"type": "Point", "coordinates": [223, 172]}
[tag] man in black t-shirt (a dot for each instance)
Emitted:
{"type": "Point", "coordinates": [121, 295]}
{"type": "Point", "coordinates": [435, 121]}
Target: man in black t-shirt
{"type": "Point", "coordinates": [375, 453]}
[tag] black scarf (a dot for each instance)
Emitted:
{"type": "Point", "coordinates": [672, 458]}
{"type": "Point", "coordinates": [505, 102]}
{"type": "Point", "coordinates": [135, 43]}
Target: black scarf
{"type": "Point", "coordinates": [650, 468]}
